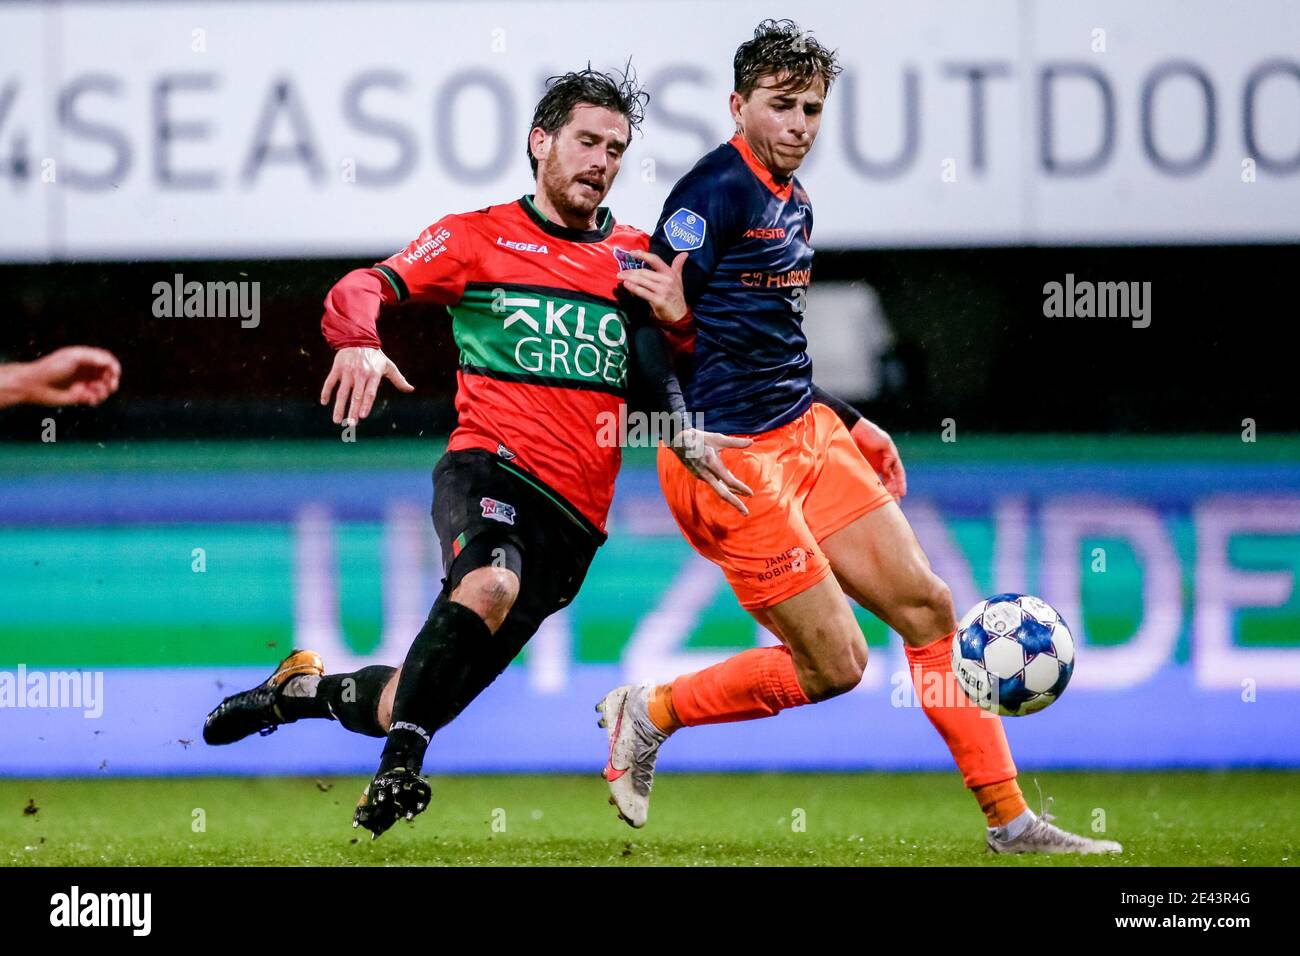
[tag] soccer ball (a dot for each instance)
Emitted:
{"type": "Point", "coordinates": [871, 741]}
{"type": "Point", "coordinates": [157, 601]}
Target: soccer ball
{"type": "Point", "coordinates": [1013, 654]}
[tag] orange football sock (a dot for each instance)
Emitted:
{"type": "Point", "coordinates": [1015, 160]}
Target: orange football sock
{"type": "Point", "coordinates": [755, 683]}
{"type": "Point", "coordinates": [661, 710]}
{"type": "Point", "coordinates": [1001, 802]}
{"type": "Point", "coordinates": [975, 738]}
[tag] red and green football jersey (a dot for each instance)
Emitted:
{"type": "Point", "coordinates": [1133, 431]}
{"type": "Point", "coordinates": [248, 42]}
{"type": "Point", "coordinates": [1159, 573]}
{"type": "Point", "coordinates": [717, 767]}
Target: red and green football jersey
{"type": "Point", "coordinates": [544, 342]}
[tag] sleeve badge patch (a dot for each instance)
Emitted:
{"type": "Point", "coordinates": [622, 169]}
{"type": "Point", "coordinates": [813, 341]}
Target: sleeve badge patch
{"type": "Point", "coordinates": [685, 230]}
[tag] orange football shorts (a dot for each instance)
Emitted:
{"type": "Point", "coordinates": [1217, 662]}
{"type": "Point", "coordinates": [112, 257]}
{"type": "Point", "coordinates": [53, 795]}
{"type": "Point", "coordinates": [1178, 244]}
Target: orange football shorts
{"type": "Point", "coordinates": [809, 480]}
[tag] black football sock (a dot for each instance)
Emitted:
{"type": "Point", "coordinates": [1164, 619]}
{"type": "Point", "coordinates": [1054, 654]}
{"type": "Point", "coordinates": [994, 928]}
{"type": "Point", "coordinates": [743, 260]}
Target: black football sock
{"type": "Point", "coordinates": [441, 659]}
{"type": "Point", "coordinates": [351, 699]}
{"type": "Point", "coordinates": [487, 666]}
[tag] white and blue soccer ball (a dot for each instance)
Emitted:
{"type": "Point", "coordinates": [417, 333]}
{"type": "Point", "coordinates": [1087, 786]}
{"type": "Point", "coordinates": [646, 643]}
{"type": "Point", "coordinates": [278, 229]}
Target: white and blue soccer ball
{"type": "Point", "coordinates": [1013, 654]}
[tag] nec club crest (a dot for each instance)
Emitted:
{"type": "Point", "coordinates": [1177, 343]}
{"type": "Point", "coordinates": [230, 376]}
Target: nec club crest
{"type": "Point", "coordinates": [497, 510]}
{"type": "Point", "coordinates": [625, 259]}
{"type": "Point", "coordinates": [685, 230]}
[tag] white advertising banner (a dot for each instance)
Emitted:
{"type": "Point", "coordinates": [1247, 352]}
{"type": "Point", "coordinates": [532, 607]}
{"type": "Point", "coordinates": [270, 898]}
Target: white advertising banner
{"type": "Point", "coordinates": [224, 129]}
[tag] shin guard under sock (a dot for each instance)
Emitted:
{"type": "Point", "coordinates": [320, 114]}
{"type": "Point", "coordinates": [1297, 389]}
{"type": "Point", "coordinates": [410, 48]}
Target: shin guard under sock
{"type": "Point", "coordinates": [437, 666]}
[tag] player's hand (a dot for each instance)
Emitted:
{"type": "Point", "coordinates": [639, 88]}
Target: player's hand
{"type": "Point", "coordinates": [881, 453]}
{"type": "Point", "coordinates": [73, 375]}
{"type": "Point", "coordinates": [659, 284]}
{"type": "Point", "coordinates": [358, 372]}
{"type": "Point", "coordinates": [698, 451]}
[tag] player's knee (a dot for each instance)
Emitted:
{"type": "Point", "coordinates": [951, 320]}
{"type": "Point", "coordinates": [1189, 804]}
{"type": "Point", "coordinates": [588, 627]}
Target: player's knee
{"type": "Point", "coordinates": [859, 649]}
{"type": "Point", "coordinates": [489, 592]}
{"type": "Point", "coordinates": [836, 673]}
{"type": "Point", "coordinates": [832, 682]}
{"type": "Point", "coordinates": [937, 595]}
{"type": "Point", "coordinates": [927, 613]}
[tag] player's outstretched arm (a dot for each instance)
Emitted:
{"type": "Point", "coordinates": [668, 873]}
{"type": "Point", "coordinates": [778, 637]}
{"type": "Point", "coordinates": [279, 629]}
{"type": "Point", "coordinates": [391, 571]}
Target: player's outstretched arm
{"type": "Point", "coordinates": [73, 375]}
{"type": "Point", "coordinates": [360, 365]}
{"type": "Point", "coordinates": [872, 440]}
{"type": "Point", "coordinates": [357, 373]}
{"type": "Point", "coordinates": [695, 448]}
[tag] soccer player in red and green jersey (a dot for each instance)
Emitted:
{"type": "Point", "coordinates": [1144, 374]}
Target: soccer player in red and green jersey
{"type": "Point", "coordinates": [546, 342]}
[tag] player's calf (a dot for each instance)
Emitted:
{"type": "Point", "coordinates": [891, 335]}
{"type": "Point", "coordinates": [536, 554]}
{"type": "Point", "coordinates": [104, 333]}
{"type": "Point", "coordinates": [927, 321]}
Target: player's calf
{"type": "Point", "coordinates": [447, 662]}
{"type": "Point", "coordinates": [488, 592]}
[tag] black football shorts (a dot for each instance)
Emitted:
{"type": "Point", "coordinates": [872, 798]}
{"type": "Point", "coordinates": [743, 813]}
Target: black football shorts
{"type": "Point", "coordinates": [488, 510]}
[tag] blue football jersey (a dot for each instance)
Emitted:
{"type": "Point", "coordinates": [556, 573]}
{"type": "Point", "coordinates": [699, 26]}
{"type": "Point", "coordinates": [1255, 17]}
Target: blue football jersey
{"type": "Point", "coordinates": [748, 236]}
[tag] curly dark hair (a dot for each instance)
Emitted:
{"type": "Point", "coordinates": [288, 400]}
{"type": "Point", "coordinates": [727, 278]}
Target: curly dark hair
{"type": "Point", "coordinates": [615, 91]}
{"type": "Point", "coordinates": [780, 48]}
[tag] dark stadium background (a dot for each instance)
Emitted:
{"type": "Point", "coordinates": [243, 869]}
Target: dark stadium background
{"type": "Point", "coordinates": [972, 344]}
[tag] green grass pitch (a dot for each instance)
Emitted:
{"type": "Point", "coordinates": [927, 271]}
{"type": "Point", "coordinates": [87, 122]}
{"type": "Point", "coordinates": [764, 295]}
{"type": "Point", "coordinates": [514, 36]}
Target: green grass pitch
{"type": "Point", "coordinates": [855, 819]}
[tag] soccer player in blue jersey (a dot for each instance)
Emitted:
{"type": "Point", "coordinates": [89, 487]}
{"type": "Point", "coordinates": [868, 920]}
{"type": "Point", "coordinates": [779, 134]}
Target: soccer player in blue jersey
{"type": "Point", "coordinates": [731, 260]}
